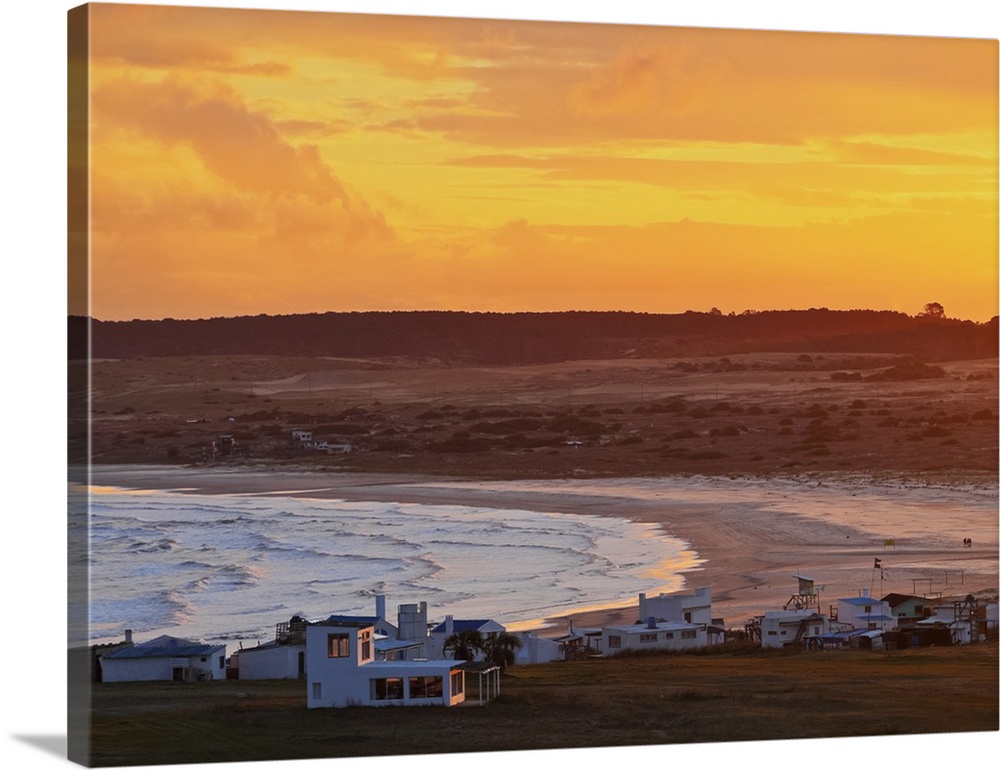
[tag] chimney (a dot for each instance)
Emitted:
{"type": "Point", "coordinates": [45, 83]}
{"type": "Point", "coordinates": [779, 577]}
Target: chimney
{"type": "Point", "coordinates": [380, 606]}
{"type": "Point", "coordinates": [650, 622]}
{"type": "Point", "coordinates": [128, 636]}
{"type": "Point", "coordinates": [449, 624]}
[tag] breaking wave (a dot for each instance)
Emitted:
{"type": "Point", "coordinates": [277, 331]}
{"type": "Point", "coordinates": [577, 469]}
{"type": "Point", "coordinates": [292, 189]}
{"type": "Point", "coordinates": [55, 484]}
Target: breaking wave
{"type": "Point", "coordinates": [206, 566]}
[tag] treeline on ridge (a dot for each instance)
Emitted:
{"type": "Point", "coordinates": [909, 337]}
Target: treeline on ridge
{"type": "Point", "coordinates": [455, 337]}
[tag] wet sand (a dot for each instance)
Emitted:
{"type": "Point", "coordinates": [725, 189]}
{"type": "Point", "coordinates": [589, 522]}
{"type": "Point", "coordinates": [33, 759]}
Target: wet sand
{"type": "Point", "coordinates": [753, 535]}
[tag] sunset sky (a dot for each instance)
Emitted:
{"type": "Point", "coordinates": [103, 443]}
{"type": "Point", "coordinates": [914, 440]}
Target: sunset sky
{"type": "Point", "coordinates": [247, 161]}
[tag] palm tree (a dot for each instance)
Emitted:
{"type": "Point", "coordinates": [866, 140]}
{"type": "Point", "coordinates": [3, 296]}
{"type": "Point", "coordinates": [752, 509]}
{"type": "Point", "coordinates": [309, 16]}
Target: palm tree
{"type": "Point", "coordinates": [500, 650]}
{"type": "Point", "coordinates": [464, 645]}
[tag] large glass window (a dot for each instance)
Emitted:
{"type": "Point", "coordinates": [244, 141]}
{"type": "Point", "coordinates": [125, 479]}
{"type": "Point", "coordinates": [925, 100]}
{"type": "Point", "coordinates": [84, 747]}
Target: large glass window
{"type": "Point", "coordinates": [614, 641]}
{"type": "Point", "coordinates": [426, 687]}
{"type": "Point", "coordinates": [387, 689]}
{"type": "Point", "coordinates": [338, 645]}
{"type": "Point", "coordinates": [457, 683]}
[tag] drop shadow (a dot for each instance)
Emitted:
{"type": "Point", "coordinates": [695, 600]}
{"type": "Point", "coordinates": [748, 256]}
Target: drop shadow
{"type": "Point", "coordinates": [56, 745]}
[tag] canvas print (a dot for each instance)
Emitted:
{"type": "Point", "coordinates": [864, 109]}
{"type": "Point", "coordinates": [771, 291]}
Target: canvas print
{"type": "Point", "coordinates": [457, 385]}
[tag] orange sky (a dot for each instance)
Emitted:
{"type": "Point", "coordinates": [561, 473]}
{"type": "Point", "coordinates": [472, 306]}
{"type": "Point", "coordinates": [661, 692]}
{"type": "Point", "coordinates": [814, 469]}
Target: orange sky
{"type": "Point", "coordinates": [247, 162]}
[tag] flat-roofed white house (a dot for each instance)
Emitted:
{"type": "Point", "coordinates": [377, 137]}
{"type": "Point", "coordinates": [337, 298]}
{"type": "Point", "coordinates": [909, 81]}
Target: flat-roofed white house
{"type": "Point", "coordinates": [865, 612]}
{"type": "Point", "coordinates": [793, 628]}
{"type": "Point", "coordinates": [653, 635]}
{"type": "Point", "coordinates": [165, 658]}
{"type": "Point", "coordinates": [695, 607]}
{"type": "Point", "coordinates": [283, 657]}
{"type": "Point", "coordinates": [342, 670]}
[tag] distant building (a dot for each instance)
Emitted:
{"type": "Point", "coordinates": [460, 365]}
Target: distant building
{"type": "Point", "coordinates": [907, 609]}
{"type": "Point", "coordinates": [693, 608]}
{"type": "Point", "coordinates": [165, 658]}
{"type": "Point", "coordinates": [283, 657]}
{"type": "Point", "coordinates": [302, 439]}
{"type": "Point", "coordinates": [653, 635]}
{"type": "Point", "coordinates": [865, 612]}
{"type": "Point", "coordinates": [440, 633]}
{"type": "Point", "coordinates": [792, 628]}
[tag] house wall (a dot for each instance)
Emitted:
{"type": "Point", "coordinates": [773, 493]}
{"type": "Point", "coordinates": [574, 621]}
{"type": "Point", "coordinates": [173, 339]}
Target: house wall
{"type": "Point", "coordinates": [280, 662]}
{"type": "Point", "coordinates": [853, 612]}
{"type": "Point", "coordinates": [536, 650]}
{"type": "Point", "coordinates": [665, 636]}
{"type": "Point", "coordinates": [778, 629]}
{"type": "Point", "coordinates": [162, 669]}
{"type": "Point", "coordinates": [678, 608]}
{"type": "Point", "coordinates": [356, 679]}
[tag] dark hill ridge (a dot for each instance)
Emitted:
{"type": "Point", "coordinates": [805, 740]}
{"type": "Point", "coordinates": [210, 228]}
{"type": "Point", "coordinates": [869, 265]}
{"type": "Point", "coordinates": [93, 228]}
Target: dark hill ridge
{"type": "Point", "coordinates": [455, 337]}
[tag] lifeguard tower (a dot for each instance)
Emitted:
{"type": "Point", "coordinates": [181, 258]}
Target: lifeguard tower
{"type": "Point", "coordinates": [806, 597]}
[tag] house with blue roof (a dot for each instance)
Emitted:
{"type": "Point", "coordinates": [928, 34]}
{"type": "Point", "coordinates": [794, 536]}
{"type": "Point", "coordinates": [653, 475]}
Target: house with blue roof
{"type": "Point", "coordinates": [165, 658]}
{"type": "Point", "coordinates": [439, 634]}
{"type": "Point", "coordinates": [866, 613]}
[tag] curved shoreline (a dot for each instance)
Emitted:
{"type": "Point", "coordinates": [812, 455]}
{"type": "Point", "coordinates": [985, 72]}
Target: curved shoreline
{"type": "Point", "coordinates": [752, 535]}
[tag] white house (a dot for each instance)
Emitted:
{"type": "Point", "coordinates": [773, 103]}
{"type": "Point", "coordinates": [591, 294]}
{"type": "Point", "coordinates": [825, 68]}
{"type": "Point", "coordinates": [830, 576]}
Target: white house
{"type": "Point", "coordinates": [440, 633]}
{"type": "Point", "coordinates": [536, 649]}
{"type": "Point", "coordinates": [342, 671]}
{"type": "Point", "coordinates": [693, 608]}
{"type": "Point", "coordinates": [788, 628]}
{"type": "Point", "coordinates": [284, 657]}
{"type": "Point", "coordinates": [165, 658]}
{"type": "Point", "coordinates": [302, 438]}
{"type": "Point", "coordinates": [864, 612]}
{"type": "Point", "coordinates": [968, 621]}
{"type": "Point", "coordinates": [653, 635]}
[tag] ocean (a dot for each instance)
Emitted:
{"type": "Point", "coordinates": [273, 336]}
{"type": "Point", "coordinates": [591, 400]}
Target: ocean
{"type": "Point", "coordinates": [227, 567]}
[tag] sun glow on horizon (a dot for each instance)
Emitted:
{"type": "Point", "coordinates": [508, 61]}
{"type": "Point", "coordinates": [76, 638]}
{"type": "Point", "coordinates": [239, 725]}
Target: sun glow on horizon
{"type": "Point", "coordinates": [280, 162]}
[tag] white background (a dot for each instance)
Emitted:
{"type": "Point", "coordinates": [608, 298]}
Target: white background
{"type": "Point", "coordinates": [32, 436]}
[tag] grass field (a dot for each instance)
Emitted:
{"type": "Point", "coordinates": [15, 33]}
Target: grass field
{"type": "Point", "coordinates": [640, 700]}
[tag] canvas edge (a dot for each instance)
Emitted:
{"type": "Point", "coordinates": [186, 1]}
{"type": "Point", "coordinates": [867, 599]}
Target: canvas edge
{"type": "Point", "coordinates": [79, 664]}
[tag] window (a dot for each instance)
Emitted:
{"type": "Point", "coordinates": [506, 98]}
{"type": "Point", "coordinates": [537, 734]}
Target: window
{"type": "Point", "coordinates": [772, 633]}
{"type": "Point", "coordinates": [687, 617]}
{"type": "Point", "coordinates": [868, 609]}
{"type": "Point", "coordinates": [387, 689]}
{"type": "Point", "coordinates": [457, 683]}
{"type": "Point", "coordinates": [426, 687]}
{"type": "Point", "coordinates": [614, 641]}
{"type": "Point", "coordinates": [689, 634]}
{"type": "Point", "coordinates": [317, 690]}
{"type": "Point", "coordinates": [338, 645]}
{"type": "Point", "coordinates": [644, 638]}
{"type": "Point", "coordinates": [366, 645]}
{"type": "Point", "coordinates": [222, 661]}
{"type": "Point", "coordinates": [668, 635]}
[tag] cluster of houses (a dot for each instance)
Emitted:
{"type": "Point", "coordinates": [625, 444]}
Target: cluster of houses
{"type": "Point", "coordinates": [895, 621]}
{"type": "Point", "coordinates": [368, 660]}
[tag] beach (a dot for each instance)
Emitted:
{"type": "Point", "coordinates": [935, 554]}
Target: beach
{"type": "Point", "coordinates": [752, 535]}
